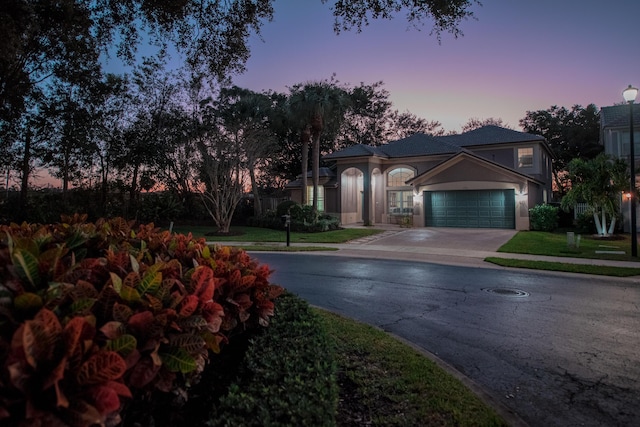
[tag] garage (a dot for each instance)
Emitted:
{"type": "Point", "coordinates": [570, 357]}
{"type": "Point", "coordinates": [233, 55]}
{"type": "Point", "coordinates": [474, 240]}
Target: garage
{"type": "Point", "coordinates": [470, 208]}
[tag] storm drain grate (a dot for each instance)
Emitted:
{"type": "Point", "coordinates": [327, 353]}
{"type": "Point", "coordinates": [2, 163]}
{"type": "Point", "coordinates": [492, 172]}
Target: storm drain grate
{"type": "Point", "coordinates": [507, 292]}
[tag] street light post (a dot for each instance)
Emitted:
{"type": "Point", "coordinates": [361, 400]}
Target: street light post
{"type": "Point", "coordinates": [629, 95]}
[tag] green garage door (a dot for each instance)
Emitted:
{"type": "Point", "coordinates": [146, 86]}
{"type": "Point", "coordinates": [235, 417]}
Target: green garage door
{"type": "Point", "coordinates": [470, 208]}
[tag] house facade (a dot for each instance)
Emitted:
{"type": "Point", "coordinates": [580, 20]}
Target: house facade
{"type": "Point", "coordinates": [485, 178]}
{"type": "Point", "coordinates": [615, 136]}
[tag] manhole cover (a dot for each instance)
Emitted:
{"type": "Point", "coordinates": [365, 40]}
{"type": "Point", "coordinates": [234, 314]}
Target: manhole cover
{"type": "Point", "coordinates": [507, 292]}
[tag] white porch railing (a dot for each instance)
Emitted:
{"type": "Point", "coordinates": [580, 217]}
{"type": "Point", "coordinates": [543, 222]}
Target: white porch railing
{"type": "Point", "coordinates": [579, 209]}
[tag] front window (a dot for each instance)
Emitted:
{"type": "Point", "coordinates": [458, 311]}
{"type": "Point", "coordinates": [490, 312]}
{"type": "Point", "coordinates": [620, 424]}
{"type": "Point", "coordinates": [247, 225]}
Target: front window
{"type": "Point", "coordinates": [399, 194]}
{"type": "Point", "coordinates": [400, 202]}
{"type": "Point", "coordinates": [320, 197]}
{"type": "Point", "coordinates": [525, 157]}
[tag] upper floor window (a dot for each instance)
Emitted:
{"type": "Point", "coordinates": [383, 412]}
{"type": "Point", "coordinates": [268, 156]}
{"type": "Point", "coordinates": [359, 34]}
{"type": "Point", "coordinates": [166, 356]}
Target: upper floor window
{"type": "Point", "coordinates": [398, 177]}
{"type": "Point", "coordinates": [616, 144]}
{"type": "Point", "coordinates": [525, 157]}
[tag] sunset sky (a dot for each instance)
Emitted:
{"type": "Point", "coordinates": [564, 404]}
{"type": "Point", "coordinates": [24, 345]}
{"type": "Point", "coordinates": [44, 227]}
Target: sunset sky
{"type": "Point", "coordinates": [517, 56]}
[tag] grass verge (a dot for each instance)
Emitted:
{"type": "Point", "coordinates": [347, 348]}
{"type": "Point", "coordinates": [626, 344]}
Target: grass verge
{"type": "Point", "coordinates": [555, 244]}
{"type": "Point", "coordinates": [384, 382]}
{"type": "Point", "coordinates": [283, 248]}
{"type": "Point", "coordinates": [602, 270]}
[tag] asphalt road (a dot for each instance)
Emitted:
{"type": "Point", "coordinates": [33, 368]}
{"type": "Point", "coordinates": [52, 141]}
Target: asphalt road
{"type": "Point", "coordinates": [557, 349]}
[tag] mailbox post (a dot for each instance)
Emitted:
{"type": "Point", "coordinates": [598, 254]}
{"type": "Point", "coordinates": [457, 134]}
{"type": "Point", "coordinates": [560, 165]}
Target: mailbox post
{"type": "Point", "coordinates": [286, 220]}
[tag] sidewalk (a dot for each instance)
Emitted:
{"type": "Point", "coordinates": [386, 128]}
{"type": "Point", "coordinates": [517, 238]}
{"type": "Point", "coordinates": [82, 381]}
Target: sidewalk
{"type": "Point", "coordinates": [461, 256]}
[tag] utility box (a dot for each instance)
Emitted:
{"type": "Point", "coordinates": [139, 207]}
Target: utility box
{"type": "Point", "coordinates": [571, 239]}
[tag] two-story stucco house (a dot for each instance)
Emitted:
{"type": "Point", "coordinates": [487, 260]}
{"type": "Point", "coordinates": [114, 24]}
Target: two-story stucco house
{"type": "Point", "coordinates": [614, 135]}
{"type": "Point", "coordinates": [487, 178]}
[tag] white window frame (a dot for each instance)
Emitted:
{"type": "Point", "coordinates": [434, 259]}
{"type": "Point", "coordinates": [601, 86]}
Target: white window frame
{"type": "Point", "coordinates": [320, 197]}
{"type": "Point", "coordinates": [405, 175]}
{"type": "Point", "coordinates": [522, 156]}
{"type": "Point", "coordinates": [400, 202]}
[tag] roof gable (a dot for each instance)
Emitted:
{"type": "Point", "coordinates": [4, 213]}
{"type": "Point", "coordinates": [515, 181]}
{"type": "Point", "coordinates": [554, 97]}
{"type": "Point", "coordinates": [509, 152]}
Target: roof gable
{"type": "Point", "coordinates": [466, 155]}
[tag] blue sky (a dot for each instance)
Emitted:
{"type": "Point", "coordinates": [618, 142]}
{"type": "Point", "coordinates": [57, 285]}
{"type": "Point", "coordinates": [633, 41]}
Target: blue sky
{"type": "Point", "coordinates": [517, 56]}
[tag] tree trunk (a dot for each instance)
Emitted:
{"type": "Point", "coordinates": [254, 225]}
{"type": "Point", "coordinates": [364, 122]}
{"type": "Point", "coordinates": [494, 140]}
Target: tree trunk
{"type": "Point", "coordinates": [133, 190]}
{"type": "Point", "coordinates": [26, 166]}
{"type": "Point", "coordinates": [315, 170]}
{"type": "Point", "coordinates": [257, 203]}
{"type": "Point", "coordinates": [596, 219]}
{"type": "Point", "coordinates": [305, 135]}
{"type": "Point", "coordinates": [65, 174]}
{"type": "Point", "coordinates": [104, 189]}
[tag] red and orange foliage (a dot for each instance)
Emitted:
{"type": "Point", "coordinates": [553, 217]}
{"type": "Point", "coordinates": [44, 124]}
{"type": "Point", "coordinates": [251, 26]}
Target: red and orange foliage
{"type": "Point", "coordinates": [95, 314]}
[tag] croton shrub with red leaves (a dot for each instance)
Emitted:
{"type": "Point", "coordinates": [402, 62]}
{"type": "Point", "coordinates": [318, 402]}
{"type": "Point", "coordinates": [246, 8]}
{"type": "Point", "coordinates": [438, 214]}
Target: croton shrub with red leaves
{"type": "Point", "coordinates": [93, 315]}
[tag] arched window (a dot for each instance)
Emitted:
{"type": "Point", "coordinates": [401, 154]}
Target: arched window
{"type": "Point", "coordinates": [399, 176]}
{"type": "Point", "coordinates": [399, 202]}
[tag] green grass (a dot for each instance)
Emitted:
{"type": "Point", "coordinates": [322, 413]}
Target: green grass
{"type": "Point", "coordinates": [255, 234]}
{"type": "Point", "coordinates": [385, 382]}
{"type": "Point", "coordinates": [266, 247]}
{"type": "Point", "coordinates": [555, 244]}
{"type": "Point", "coordinates": [602, 270]}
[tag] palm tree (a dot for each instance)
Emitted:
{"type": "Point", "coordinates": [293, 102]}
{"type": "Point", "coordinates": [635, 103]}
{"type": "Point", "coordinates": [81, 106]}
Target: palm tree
{"type": "Point", "coordinates": [298, 106]}
{"type": "Point", "coordinates": [314, 105]}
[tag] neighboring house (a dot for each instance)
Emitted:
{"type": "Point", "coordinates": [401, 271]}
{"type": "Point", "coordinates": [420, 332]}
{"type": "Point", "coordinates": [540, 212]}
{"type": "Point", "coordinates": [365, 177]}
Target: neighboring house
{"type": "Point", "coordinates": [487, 178]}
{"type": "Point", "coordinates": [614, 135]}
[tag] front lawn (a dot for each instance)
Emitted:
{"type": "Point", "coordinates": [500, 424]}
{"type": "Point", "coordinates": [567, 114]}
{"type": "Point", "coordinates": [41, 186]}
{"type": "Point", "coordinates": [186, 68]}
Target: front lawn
{"type": "Point", "coordinates": [255, 234]}
{"type": "Point", "coordinates": [555, 244]}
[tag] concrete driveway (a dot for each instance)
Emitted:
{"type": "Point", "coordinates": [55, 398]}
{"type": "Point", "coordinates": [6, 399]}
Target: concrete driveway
{"type": "Point", "coordinates": [469, 239]}
{"type": "Point", "coordinates": [456, 246]}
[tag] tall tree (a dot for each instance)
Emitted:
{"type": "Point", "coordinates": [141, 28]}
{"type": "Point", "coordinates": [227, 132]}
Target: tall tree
{"type": "Point", "coordinates": [148, 134]}
{"type": "Point", "coordinates": [222, 171]}
{"type": "Point", "coordinates": [41, 39]}
{"type": "Point", "coordinates": [177, 170]}
{"type": "Point", "coordinates": [318, 105]}
{"type": "Point", "coordinates": [283, 166]}
{"type": "Point", "coordinates": [445, 15]}
{"type": "Point", "coordinates": [66, 114]}
{"type": "Point", "coordinates": [26, 139]}
{"type": "Point", "coordinates": [109, 109]}
{"type": "Point", "coordinates": [571, 134]}
{"type": "Point", "coordinates": [372, 120]}
{"type": "Point", "coordinates": [246, 114]}
{"type": "Point", "coordinates": [597, 182]}
{"type": "Point", "coordinates": [402, 125]}
{"type": "Point", "coordinates": [475, 123]}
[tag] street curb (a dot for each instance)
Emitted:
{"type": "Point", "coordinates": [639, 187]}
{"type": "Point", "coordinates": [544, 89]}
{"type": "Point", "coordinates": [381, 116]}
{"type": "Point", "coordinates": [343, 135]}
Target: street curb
{"type": "Point", "coordinates": [507, 414]}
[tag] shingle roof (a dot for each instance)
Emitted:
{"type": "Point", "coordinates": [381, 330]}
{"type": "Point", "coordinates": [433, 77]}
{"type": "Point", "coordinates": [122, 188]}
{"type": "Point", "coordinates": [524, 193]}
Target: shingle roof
{"type": "Point", "coordinates": [426, 145]}
{"type": "Point", "coordinates": [418, 144]}
{"type": "Point", "coordinates": [488, 135]}
{"type": "Point", "coordinates": [356, 151]}
{"type": "Point", "coordinates": [324, 172]}
{"type": "Point", "coordinates": [618, 116]}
